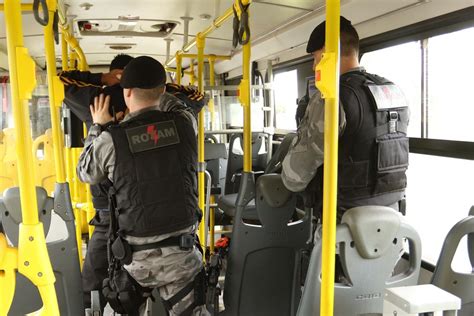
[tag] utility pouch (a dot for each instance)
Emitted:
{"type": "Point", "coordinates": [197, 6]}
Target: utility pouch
{"type": "Point", "coordinates": [392, 162]}
{"type": "Point", "coordinates": [187, 241]}
{"type": "Point", "coordinates": [122, 251]}
{"type": "Point", "coordinates": [123, 293]}
{"type": "Point", "coordinates": [200, 288]}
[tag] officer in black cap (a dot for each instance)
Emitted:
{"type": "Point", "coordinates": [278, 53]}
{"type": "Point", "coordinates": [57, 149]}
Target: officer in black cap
{"type": "Point", "coordinates": [151, 159]}
{"type": "Point", "coordinates": [373, 147]}
{"type": "Point", "coordinates": [80, 88]}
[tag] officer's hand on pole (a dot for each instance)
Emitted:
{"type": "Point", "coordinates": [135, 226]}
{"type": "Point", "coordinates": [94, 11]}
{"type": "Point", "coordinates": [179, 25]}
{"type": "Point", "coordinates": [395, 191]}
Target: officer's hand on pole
{"type": "Point", "coordinates": [100, 110]}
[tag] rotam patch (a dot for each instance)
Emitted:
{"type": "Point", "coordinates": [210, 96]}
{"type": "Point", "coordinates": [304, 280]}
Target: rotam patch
{"type": "Point", "coordinates": [152, 136]}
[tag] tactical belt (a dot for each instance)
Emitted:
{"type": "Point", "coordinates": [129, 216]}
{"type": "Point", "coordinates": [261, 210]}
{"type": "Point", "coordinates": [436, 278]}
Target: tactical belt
{"type": "Point", "coordinates": [185, 242]}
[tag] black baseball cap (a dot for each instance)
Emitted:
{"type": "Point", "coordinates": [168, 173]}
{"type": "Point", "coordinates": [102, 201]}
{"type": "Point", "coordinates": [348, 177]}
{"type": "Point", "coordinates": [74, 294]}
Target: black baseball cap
{"type": "Point", "coordinates": [143, 72]}
{"type": "Point", "coordinates": [318, 36]}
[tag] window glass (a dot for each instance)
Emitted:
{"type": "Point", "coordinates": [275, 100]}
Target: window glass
{"type": "Point", "coordinates": [450, 100]}
{"type": "Point", "coordinates": [400, 64]}
{"type": "Point", "coordinates": [286, 93]}
{"type": "Point", "coordinates": [437, 198]}
{"type": "Point", "coordinates": [234, 113]}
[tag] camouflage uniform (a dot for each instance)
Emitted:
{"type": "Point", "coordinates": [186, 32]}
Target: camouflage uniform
{"type": "Point", "coordinates": [169, 268]}
{"type": "Point", "coordinates": [306, 153]}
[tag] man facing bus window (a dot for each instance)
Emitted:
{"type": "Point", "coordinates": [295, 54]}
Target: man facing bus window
{"type": "Point", "coordinates": [151, 160]}
{"type": "Point", "coordinates": [373, 147]}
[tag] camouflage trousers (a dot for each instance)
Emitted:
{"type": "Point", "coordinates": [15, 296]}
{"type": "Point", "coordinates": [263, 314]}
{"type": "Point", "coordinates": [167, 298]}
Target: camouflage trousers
{"type": "Point", "coordinates": [169, 269]}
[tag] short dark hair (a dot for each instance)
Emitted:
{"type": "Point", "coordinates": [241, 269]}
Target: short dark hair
{"type": "Point", "coordinates": [349, 38]}
{"type": "Point", "coordinates": [120, 61]}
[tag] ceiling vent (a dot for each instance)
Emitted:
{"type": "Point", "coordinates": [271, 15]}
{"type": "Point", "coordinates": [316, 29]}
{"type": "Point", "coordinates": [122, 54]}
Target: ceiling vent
{"type": "Point", "coordinates": [126, 26]}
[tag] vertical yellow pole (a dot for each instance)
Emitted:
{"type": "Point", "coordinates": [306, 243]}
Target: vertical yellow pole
{"type": "Point", "coordinates": [33, 259]}
{"type": "Point", "coordinates": [64, 53]}
{"type": "Point", "coordinates": [328, 69]}
{"type": "Point", "coordinates": [200, 44]}
{"type": "Point", "coordinates": [212, 82]}
{"type": "Point", "coordinates": [90, 207]}
{"type": "Point", "coordinates": [56, 95]}
{"type": "Point", "coordinates": [192, 77]}
{"type": "Point", "coordinates": [179, 60]}
{"type": "Point", "coordinates": [72, 60]}
{"type": "Point", "coordinates": [244, 96]}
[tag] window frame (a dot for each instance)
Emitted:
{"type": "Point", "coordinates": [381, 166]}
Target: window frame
{"type": "Point", "coordinates": [440, 25]}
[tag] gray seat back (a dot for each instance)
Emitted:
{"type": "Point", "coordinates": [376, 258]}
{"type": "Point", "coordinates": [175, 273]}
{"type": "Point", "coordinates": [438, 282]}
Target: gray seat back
{"type": "Point", "coordinates": [235, 160]}
{"type": "Point", "coordinates": [470, 242]}
{"type": "Point", "coordinates": [275, 163]}
{"type": "Point", "coordinates": [370, 242]}
{"type": "Point", "coordinates": [62, 253]}
{"type": "Point", "coordinates": [457, 283]}
{"type": "Point", "coordinates": [264, 267]}
{"type": "Point", "coordinates": [215, 155]}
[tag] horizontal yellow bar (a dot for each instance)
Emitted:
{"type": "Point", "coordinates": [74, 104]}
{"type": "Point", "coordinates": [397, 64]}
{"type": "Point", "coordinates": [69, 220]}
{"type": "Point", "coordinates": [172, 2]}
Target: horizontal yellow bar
{"type": "Point", "coordinates": [24, 7]}
{"type": "Point", "coordinates": [215, 24]}
{"type": "Point", "coordinates": [216, 57]}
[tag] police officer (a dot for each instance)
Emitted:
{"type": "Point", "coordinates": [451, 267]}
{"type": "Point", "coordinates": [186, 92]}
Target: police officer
{"type": "Point", "coordinates": [80, 89]}
{"type": "Point", "coordinates": [151, 159]}
{"type": "Point", "coordinates": [373, 147]}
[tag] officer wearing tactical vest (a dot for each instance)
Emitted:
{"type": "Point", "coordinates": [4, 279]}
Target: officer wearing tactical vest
{"type": "Point", "coordinates": [151, 159]}
{"type": "Point", "coordinates": [373, 147]}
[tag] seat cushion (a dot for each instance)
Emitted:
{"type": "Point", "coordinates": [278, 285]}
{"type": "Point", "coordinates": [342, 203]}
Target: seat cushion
{"type": "Point", "coordinates": [227, 204]}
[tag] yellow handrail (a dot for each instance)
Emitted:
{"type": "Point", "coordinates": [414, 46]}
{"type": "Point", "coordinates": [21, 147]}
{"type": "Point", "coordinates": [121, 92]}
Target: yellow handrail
{"type": "Point", "coordinates": [328, 68]}
{"type": "Point", "coordinates": [33, 259]}
{"type": "Point", "coordinates": [207, 56]}
{"type": "Point", "coordinates": [24, 7]}
{"type": "Point", "coordinates": [200, 44]}
{"type": "Point", "coordinates": [64, 53]}
{"type": "Point", "coordinates": [215, 24]}
{"type": "Point", "coordinates": [192, 77]}
{"type": "Point", "coordinates": [212, 82]}
{"type": "Point", "coordinates": [178, 67]}
{"type": "Point", "coordinates": [244, 96]}
{"type": "Point", "coordinates": [56, 95]}
{"type": "Point", "coordinates": [74, 45]}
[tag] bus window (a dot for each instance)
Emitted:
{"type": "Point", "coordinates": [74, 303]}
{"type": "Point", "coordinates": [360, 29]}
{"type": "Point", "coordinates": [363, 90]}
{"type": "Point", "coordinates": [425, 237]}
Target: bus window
{"type": "Point", "coordinates": [450, 105]}
{"type": "Point", "coordinates": [433, 207]}
{"type": "Point", "coordinates": [286, 93]}
{"type": "Point", "coordinates": [402, 65]}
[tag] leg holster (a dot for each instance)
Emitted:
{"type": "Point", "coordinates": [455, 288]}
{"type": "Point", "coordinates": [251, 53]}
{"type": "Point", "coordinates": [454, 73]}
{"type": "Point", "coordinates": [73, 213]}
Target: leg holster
{"type": "Point", "coordinates": [199, 287]}
{"type": "Point", "coordinates": [123, 293]}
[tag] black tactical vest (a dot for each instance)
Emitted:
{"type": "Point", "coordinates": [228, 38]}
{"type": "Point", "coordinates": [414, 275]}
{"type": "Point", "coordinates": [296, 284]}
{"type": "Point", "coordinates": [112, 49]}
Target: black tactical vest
{"type": "Point", "coordinates": [99, 194]}
{"type": "Point", "coordinates": [373, 149]}
{"type": "Point", "coordinates": [155, 176]}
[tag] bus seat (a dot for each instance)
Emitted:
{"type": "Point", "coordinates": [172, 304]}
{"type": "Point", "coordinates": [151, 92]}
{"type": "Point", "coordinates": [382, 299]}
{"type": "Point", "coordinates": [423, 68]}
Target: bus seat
{"type": "Point", "coordinates": [227, 204]}
{"type": "Point", "coordinates": [63, 254]}
{"type": "Point", "coordinates": [470, 242]}
{"type": "Point", "coordinates": [235, 160]}
{"type": "Point", "coordinates": [215, 155]}
{"type": "Point", "coordinates": [11, 219]}
{"type": "Point", "coordinates": [457, 283]}
{"type": "Point", "coordinates": [263, 274]}
{"type": "Point", "coordinates": [228, 201]}
{"type": "Point", "coordinates": [369, 244]}
{"type": "Point", "coordinates": [275, 163]}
